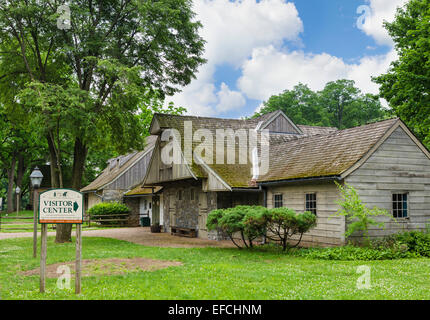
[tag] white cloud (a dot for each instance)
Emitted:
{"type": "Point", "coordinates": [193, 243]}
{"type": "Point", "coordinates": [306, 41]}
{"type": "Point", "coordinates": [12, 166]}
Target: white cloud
{"type": "Point", "coordinates": [250, 36]}
{"type": "Point", "coordinates": [270, 71]}
{"type": "Point", "coordinates": [232, 30]}
{"type": "Point", "coordinates": [369, 67]}
{"type": "Point", "coordinates": [380, 11]}
{"type": "Point", "coordinates": [229, 100]}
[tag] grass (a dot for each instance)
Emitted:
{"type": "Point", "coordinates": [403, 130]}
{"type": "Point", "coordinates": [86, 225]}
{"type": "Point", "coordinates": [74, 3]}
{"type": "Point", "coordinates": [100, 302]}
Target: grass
{"type": "Point", "coordinates": [211, 273]}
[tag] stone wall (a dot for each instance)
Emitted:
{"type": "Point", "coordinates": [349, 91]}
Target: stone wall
{"type": "Point", "coordinates": [133, 204]}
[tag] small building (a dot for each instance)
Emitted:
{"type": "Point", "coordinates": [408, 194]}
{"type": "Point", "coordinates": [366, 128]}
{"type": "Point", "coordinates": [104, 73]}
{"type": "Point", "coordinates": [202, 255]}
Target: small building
{"type": "Point", "coordinates": [384, 161]}
{"type": "Point", "coordinates": [121, 175]}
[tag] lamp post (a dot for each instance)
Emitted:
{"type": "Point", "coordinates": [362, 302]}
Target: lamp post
{"type": "Point", "coordinates": [36, 180]}
{"type": "Point", "coordinates": [17, 190]}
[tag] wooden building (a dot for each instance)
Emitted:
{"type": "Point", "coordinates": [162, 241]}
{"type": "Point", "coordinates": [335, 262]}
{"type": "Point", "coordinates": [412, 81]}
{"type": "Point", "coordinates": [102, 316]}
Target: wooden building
{"type": "Point", "coordinates": [122, 174]}
{"type": "Point", "coordinates": [384, 161]}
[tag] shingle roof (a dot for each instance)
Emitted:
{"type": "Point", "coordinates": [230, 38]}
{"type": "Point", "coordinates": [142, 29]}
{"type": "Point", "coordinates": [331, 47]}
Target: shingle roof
{"type": "Point", "coordinates": [319, 152]}
{"type": "Point", "coordinates": [111, 173]}
{"type": "Point", "coordinates": [312, 131]}
{"type": "Point", "coordinates": [323, 155]}
{"type": "Point", "coordinates": [139, 190]}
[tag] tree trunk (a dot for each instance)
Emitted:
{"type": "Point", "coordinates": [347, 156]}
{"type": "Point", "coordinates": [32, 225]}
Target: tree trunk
{"type": "Point", "coordinates": [53, 163]}
{"type": "Point", "coordinates": [10, 190]}
{"type": "Point", "coordinates": [64, 231]}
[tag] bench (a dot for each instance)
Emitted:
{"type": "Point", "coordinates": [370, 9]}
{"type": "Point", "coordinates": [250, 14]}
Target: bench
{"type": "Point", "coordinates": [183, 232]}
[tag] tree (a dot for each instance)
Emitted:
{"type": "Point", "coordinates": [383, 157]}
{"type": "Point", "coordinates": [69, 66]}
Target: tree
{"type": "Point", "coordinates": [340, 104]}
{"type": "Point", "coordinates": [406, 85]}
{"type": "Point", "coordinates": [89, 80]}
{"type": "Point", "coordinates": [300, 104]}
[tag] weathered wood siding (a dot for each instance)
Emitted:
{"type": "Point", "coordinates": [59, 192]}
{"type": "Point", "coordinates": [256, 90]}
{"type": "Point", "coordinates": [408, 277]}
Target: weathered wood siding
{"type": "Point", "coordinates": [329, 230]}
{"type": "Point", "coordinates": [132, 176]}
{"type": "Point", "coordinates": [397, 166]}
{"type": "Point", "coordinates": [93, 200]}
{"type": "Point", "coordinates": [280, 124]}
{"type": "Point", "coordinates": [161, 172]}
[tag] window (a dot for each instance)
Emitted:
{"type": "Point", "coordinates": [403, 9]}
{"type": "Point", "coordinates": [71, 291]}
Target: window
{"type": "Point", "coordinates": [192, 194]}
{"type": "Point", "coordinates": [400, 205]}
{"type": "Point", "coordinates": [311, 202]}
{"type": "Point", "coordinates": [179, 194]}
{"type": "Point", "coordinates": [278, 201]}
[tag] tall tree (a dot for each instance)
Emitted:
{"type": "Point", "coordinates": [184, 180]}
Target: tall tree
{"type": "Point", "coordinates": [347, 106]}
{"type": "Point", "coordinates": [406, 86]}
{"type": "Point", "coordinates": [113, 57]}
{"type": "Point", "coordinates": [340, 104]}
{"type": "Point", "coordinates": [300, 104]}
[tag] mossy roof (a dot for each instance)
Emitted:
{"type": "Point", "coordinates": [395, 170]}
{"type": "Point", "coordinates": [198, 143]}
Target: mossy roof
{"type": "Point", "coordinates": [323, 155]}
{"type": "Point", "coordinates": [318, 152]}
{"type": "Point", "coordinates": [139, 190]}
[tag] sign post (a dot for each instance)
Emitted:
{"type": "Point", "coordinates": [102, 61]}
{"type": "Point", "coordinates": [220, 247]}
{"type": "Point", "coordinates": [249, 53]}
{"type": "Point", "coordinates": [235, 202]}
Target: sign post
{"type": "Point", "coordinates": [61, 206]}
{"type": "Point", "coordinates": [35, 204]}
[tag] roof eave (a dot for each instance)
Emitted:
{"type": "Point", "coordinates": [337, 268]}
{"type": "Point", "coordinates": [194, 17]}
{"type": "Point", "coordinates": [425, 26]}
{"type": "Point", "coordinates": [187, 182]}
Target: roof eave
{"type": "Point", "coordinates": [285, 181]}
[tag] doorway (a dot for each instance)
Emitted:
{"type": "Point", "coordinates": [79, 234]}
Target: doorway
{"type": "Point", "coordinates": [145, 211]}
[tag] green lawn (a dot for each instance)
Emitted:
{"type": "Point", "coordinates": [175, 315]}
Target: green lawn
{"type": "Point", "coordinates": [211, 273]}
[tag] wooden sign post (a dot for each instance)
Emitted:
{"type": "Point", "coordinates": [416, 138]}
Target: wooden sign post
{"type": "Point", "coordinates": [61, 206]}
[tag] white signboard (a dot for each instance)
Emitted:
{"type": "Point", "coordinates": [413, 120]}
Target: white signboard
{"type": "Point", "coordinates": [61, 206]}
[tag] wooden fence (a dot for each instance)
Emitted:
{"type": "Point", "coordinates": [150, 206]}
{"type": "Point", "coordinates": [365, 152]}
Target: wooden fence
{"type": "Point", "coordinates": [106, 220]}
{"type": "Point", "coordinates": [16, 223]}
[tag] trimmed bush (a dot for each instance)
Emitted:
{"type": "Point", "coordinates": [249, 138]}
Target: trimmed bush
{"type": "Point", "coordinates": [247, 221]}
{"type": "Point", "coordinates": [283, 223]}
{"type": "Point", "coordinates": [108, 210]}
{"type": "Point", "coordinates": [252, 222]}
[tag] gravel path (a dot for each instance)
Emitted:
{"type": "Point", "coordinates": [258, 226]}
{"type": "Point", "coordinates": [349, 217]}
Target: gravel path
{"type": "Point", "coordinates": [137, 235]}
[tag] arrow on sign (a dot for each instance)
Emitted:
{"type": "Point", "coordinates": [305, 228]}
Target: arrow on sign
{"type": "Point", "coordinates": [75, 206]}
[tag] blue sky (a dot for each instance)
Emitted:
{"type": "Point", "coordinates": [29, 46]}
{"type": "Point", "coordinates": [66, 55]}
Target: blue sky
{"type": "Point", "coordinates": [256, 49]}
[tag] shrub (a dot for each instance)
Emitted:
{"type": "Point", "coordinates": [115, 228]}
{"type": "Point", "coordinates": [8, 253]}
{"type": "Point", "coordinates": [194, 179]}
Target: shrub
{"type": "Point", "coordinates": [412, 244]}
{"type": "Point", "coordinates": [111, 209]}
{"type": "Point", "coordinates": [248, 221]}
{"type": "Point", "coordinates": [212, 222]}
{"type": "Point", "coordinates": [252, 222]}
{"type": "Point", "coordinates": [351, 253]}
{"type": "Point", "coordinates": [360, 215]}
{"type": "Point", "coordinates": [416, 242]}
{"type": "Point", "coordinates": [283, 223]}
